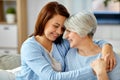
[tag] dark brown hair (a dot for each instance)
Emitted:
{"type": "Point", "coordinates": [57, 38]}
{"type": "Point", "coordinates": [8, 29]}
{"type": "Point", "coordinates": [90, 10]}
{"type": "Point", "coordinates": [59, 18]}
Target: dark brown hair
{"type": "Point", "coordinates": [47, 12]}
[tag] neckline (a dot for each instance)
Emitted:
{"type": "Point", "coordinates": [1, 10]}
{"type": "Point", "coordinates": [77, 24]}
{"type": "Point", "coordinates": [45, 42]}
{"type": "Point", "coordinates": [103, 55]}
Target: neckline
{"type": "Point", "coordinates": [98, 54]}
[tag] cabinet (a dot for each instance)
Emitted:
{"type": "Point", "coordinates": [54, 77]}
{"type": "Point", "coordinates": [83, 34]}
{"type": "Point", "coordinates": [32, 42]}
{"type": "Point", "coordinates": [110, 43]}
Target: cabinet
{"type": "Point", "coordinates": [8, 36]}
{"type": "Point", "coordinates": [13, 35]}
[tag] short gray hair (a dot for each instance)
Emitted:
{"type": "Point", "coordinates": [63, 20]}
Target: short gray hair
{"type": "Point", "coordinates": [83, 23]}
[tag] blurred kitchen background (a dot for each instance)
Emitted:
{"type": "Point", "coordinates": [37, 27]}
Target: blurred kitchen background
{"type": "Point", "coordinates": [107, 13]}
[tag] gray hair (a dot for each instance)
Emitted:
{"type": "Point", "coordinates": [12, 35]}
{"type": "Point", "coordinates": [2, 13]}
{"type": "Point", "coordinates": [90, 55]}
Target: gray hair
{"type": "Point", "coordinates": [83, 23]}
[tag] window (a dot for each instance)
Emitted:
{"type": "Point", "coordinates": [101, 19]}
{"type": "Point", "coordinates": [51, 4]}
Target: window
{"type": "Point", "coordinates": [107, 11]}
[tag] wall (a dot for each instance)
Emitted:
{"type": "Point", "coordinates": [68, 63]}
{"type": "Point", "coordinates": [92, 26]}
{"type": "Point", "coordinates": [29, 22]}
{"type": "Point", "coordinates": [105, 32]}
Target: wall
{"type": "Point", "coordinates": [34, 6]}
{"type": "Point", "coordinates": [109, 32]}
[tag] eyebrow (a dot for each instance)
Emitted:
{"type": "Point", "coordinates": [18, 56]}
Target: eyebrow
{"type": "Point", "coordinates": [57, 24]}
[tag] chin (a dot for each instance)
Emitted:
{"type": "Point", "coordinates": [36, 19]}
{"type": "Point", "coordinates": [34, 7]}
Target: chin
{"type": "Point", "coordinates": [53, 39]}
{"type": "Point", "coordinates": [71, 46]}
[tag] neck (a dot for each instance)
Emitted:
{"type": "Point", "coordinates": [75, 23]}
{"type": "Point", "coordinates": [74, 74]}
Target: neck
{"type": "Point", "coordinates": [88, 48]}
{"type": "Point", "coordinates": [47, 44]}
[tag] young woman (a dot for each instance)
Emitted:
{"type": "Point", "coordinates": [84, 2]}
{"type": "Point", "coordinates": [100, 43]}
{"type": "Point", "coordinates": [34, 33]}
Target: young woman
{"type": "Point", "coordinates": [80, 29]}
{"type": "Point", "coordinates": [43, 54]}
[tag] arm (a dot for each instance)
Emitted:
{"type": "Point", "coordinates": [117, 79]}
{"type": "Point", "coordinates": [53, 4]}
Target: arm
{"type": "Point", "coordinates": [99, 68]}
{"type": "Point", "coordinates": [107, 50]}
{"type": "Point", "coordinates": [38, 63]}
{"type": "Point", "coordinates": [102, 76]}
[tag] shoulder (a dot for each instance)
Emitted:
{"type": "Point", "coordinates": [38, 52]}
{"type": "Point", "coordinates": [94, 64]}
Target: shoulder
{"type": "Point", "coordinates": [30, 43]}
{"type": "Point", "coordinates": [63, 47]}
{"type": "Point", "coordinates": [31, 47]}
{"type": "Point", "coordinates": [65, 43]}
{"type": "Point", "coordinates": [100, 43]}
{"type": "Point", "coordinates": [71, 52]}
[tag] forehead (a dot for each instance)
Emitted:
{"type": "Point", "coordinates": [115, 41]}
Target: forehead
{"type": "Point", "coordinates": [68, 29]}
{"type": "Point", "coordinates": [58, 19]}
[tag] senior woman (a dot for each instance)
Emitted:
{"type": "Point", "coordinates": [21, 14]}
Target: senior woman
{"type": "Point", "coordinates": [80, 29]}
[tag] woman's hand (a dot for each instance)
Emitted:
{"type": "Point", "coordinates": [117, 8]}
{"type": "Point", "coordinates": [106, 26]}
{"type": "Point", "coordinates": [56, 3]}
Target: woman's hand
{"type": "Point", "coordinates": [108, 55]}
{"type": "Point", "coordinates": [99, 67]}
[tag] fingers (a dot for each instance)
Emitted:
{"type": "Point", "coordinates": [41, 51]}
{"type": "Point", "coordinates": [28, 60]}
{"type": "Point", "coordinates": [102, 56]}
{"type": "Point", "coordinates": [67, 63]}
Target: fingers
{"type": "Point", "coordinates": [107, 61]}
{"type": "Point", "coordinates": [98, 65]}
{"type": "Point", "coordinates": [106, 58]}
{"type": "Point", "coordinates": [112, 64]}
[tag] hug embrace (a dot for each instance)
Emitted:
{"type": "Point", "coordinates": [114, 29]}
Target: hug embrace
{"type": "Point", "coordinates": [46, 55]}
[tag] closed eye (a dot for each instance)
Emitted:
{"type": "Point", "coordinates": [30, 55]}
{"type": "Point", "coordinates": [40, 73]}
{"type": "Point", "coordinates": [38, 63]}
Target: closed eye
{"type": "Point", "coordinates": [56, 26]}
{"type": "Point", "coordinates": [68, 31]}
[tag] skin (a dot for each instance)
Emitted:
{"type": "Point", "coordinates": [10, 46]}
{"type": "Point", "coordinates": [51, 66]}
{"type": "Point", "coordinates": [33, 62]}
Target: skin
{"type": "Point", "coordinates": [110, 59]}
{"type": "Point", "coordinates": [106, 50]}
{"type": "Point", "coordinates": [53, 29]}
{"type": "Point", "coordinates": [86, 46]}
{"type": "Point", "coordinates": [99, 68]}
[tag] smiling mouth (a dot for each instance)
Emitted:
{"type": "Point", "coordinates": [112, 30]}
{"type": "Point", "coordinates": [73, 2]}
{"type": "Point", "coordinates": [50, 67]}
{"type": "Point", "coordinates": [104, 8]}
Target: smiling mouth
{"type": "Point", "coordinates": [55, 36]}
{"type": "Point", "coordinates": [70, 40]}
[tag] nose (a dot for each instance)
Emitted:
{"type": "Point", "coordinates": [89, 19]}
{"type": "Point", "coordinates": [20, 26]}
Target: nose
{"type": "Point", "coordinates": [59, 31]}
{"type": "Point", "coordinates": [66, 35]}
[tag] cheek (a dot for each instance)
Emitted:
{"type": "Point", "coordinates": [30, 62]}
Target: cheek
{"type": "Point", "coordinates": [74, 40]}
{"type": "Point", "coordinates": [65, 35]}
{"type": "Point", "coordinates": [47, 30]}
{"type": "Point", "coordinates": [72, 44]}
{"type": "Point", "coordinates": [47, 33]}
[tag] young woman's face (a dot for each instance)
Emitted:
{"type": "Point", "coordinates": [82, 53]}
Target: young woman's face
{"type": "Point", "coordinates": [54, 27]}
{"type": "Point", "coordinates": [73, 38]}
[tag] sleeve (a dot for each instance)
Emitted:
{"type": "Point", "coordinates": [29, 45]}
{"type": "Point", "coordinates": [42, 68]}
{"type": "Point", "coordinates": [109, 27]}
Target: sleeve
{"type": "Point", "coordinates": [39, 65]}
{"type": "Point", "coordinates": [101, 43]}
{"type": "Point", "coordinates": [63, 47]}
{"type": "Point", "coordinates": [115, 73]}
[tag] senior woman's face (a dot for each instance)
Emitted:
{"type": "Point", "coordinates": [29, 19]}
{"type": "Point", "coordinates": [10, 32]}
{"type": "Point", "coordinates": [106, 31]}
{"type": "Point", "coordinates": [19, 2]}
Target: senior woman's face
{"type": "Point", "coordinates": [73, 38]}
